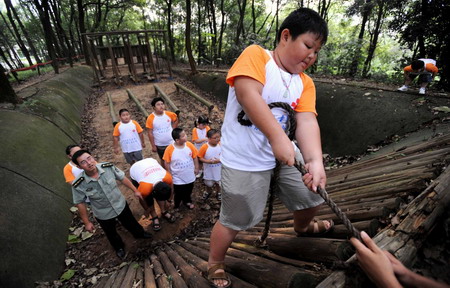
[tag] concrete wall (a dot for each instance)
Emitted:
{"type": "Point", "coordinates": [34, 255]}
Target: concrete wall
{"type": "Point", "coordinates": [35, 200]}
{"type": "Point", "coordinates": [350, 118]}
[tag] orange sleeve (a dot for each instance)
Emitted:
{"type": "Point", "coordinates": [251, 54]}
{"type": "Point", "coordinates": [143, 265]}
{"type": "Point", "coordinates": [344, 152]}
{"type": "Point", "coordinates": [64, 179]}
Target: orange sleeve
{"type": "Point", "coordinates": [149, 122]}
{"type": "Point", "coordinates": [408, 68]}
{"type": "Point", "coordinates": [167, 179]}
{"type": "Point", "coordinates": [171, 115]}
{"type": "Point", "coordinates": [251, 63]}
{"type": "Point", "coordinates": [68, 175]}
{"type": "Point", "coordinates": [431, 68]}
{"type": "Point", "coordinates": [307, 101]}
{"type": "Point", "coordinates": [168, 153]}
{"type": "Point", "coordinates": [116, 129]}
{"type": "Point", "coordinates": [194, 134]}
{"type": "Point", "coordinates": [202, 151]}
{"type": "Point", "coordinates": [138, 127]}
{"type": "Point", "coordinates": [193, 149]}
{"type": "Point", "coordinates": [207, 129]}
{"type": "Point", "coordinates": [145, 189]}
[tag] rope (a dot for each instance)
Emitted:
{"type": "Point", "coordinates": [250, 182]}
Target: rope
{"type": "Point", "coordinates": [290, 131]}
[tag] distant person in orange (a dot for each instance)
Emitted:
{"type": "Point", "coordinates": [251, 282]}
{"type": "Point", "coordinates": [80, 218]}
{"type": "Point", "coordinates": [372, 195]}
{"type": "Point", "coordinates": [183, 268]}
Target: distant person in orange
{"type": "Point", "coordinates": [181, 161]}
{"type": "Point", "coordinates": [159, 127]}
{"type": "Point", "coordinates": [209, 155]}
{"type": "Point", "coordinates": [199, 136]}
{"type": "Point", "coordinates": [131, 137]}
{"type": "Point", "coordinates": [385, 270]}
{"type": "Point", "coordinates": [71, 171]}
{"type": "Point", "coordinates": [153, 182]}
{"type": "Point", "coordinates": [424, 68]}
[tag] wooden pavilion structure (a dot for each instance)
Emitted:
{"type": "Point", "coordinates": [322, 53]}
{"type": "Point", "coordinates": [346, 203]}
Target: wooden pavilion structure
{"type": "Point", "coordinates": [142, 52]}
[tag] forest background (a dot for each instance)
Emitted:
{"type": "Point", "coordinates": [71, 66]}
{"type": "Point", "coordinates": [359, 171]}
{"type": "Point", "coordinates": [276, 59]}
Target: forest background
{"type": "Point", "coordinates": [369, 39]}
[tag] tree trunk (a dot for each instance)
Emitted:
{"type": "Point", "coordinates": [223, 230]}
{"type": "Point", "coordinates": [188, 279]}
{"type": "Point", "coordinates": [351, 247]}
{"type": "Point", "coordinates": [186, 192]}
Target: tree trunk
{"type": "Point", "coordinates": [222, 29]}
{"type": "Point", "coordinates": [170, 32]}
{"type": "Point", "coordinates": [19, 41]}
{"type": "Point", "coordinates": [353, 70]}
{"type": "Point", "coordinates": [240, 26]}
{"type": "Point", "coordinates": [8, 95]}
{"type": "Point", "coordinates": [188, 38]}
{"type": "Point", "coordinates": [421, 27]}
{"type": "Point", "coordinates": [82, 27]}
{"type": "Point", "coordinates": [376, 33]}
{"type": "Point", "coordinates": [200, 46]}
{"type": "Point", "coordinates": [213, 27]}
{"type": "Point", "coordinates": [63, 39]}
{"type": "Point", "coordinates": [24, 31]}
{"type": "Point", "coordinates": [48, 31]}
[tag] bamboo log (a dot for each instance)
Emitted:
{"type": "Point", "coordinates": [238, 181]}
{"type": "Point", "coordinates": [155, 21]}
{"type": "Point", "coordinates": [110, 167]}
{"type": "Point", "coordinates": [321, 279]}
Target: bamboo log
{"type": "Point", "coordinates": [190, 275]}
{"type": "Point", "coordinates": [130, 275]}
{"type": "Point", "coordinates": [119, 278]}
{"type": "Point", "coordinates": [202, 100]}
{"type": "Point", "coordinates": [111, 110]}
{"type": "Point", "coordinates": [404, 240]}
{"type": "Point", "coordinates": [109, 281]}
{"type": "Point", "coordinates": [166, 98]}
{"type": "Point", "coordinates": [160, 277]}
{"type": "Point", "coordinates": [138, 103]}
{"type": "Point", "coordinates": [139, 280]}
{"type": "Point", "coordinates": [175, 279]}
{"type": "Point", "coordinates": [202, 266]}
{"type": "Point", "coordinates": [263, 273]}
{"type": "Point", "coordinates": [149, 277]}
{"type": "Point", "coordinates": [302, 248]}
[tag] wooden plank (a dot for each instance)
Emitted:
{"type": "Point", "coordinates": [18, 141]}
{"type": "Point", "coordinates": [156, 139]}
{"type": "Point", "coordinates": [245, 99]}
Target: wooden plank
{"type": "Point", "coordinates": [149, 277]}
{"type": "Point", "coordinates": [175, 279]}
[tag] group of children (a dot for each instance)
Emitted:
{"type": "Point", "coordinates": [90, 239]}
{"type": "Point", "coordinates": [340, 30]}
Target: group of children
{"type": "Point", "coordinates": [183, 160]}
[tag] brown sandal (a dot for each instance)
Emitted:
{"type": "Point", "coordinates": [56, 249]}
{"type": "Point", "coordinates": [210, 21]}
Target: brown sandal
{"type": "Point", "coordinates": [321, 229]}
{"type": "Point", "coordinates": [212, 275]}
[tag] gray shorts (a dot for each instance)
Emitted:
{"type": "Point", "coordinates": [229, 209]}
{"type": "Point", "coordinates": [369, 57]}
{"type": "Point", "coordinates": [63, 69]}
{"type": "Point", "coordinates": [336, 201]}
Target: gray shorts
{"type": "Point", "coordinates": [244, 195]}
{"type": "Point", "coordinates": [210, 183]}
{"type": "Point", "coordinates": [132, 157]}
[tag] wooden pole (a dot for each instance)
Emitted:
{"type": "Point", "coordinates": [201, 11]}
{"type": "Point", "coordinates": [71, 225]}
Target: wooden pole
{"type": "Point", "coordinates": [166, 98]}
{"type": "Point", "coordinates": [138, 103]}
{"type": "Point", "coordinates": [200, 99]}
{"type": "Point", "coordinates": [111, 110]}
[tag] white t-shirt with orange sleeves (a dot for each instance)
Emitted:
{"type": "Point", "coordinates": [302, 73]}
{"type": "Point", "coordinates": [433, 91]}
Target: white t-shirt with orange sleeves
{"type": "Point", "coordinates": [128, 134]}
{"type": "Point", "coordinates": [181, 162]}
{"type": "Point", "coordinates": [162, 127]}
{"type": "Point", "coordinates": [211, 171]}
{"type": "Point", "coordinates": [245, 147]}
{"type": "Point", "coordinates": [147, 172]}
{"type": "Point", "coordinates": [71, 172]}
{"type": "Point", "coordinates": [430, 66]}
{"type": "Point", "coordinates": [199, 134]}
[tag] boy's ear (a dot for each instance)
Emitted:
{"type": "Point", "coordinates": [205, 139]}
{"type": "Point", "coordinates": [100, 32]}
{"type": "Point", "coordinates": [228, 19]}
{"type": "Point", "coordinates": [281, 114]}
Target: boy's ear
{"type": "Point", "coordinates": [285, 34]}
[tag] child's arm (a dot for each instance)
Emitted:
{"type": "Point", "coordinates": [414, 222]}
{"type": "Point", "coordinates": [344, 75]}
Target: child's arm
{"type": "Point", "coordinates": [175, 123]}
{"type": "Point", "coordinates": [141, 136]}
{"type": "Point", "coordinates": [116, 144]}
{"type": "Point", "coordinates": [151, 138]}
{"type": "Point", "coordinates": [196, 165]}
{"type": "Point", "coordinates": [308, 138]}
{"type": "Point", "coordinates": [248, 94]}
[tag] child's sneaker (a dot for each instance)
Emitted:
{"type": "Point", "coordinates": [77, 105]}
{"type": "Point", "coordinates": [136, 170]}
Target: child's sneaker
{"type": "Point", "coordinates": [205, 195]}
{"type": "Point", "coordinates": [219, 196]}
{"type": "Point", "coordinates": [403, 88]}
{"type": "Point", "coordinates": [422, 91]}
{"type": "Point", "coordinates": [200, 172]}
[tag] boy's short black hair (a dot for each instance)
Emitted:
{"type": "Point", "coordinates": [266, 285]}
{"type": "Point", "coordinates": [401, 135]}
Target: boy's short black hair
{"type": "Point", "coordinates": [78, 154]}
{"type": "Point", "coordinates": [68, 148]}
{"type": "Point", "coordinates": [157, 99]}
{"type": "Point", "coordinates": [161, 191]}
{"type": "Point", "coordinates": [417, 64]}
{"type": "Point", "coordinates": [304, 20]}
{"type": "Point", "coordinates": [202, 120]}
{"type": "Point", "coordinates": [212, 132]}
{"type": "Point", "coordinates": [123, 110]}
{"type": "Point", "coordinates": [176, 133]}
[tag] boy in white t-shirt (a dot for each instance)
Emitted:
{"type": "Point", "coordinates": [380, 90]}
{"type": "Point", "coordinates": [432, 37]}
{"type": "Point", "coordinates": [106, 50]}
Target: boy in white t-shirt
{"type": "Point", "coordinates": [181, 161]}
{"type": "Point", "coordinates": [131, 138]}
{"type": "Point", "coordinates": [209, 155]}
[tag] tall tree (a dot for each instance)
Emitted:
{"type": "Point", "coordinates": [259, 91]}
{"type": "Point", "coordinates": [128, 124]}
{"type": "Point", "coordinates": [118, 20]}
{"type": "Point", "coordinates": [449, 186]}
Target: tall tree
{"type": "Point", "coordinates": [381, 13]}
{"type": "Point", "coordinates": [82, 27]}
{"type": "Point", "coordinates": [242, 4]}
{"type": "Point", "coordinates": [365, 11]}
{"type": "Point", "coordinates": [188, 38]}
{"type": "Point", "coordinates": [169, 31]}
{"type": "Point", "coordinates": [44, 10]}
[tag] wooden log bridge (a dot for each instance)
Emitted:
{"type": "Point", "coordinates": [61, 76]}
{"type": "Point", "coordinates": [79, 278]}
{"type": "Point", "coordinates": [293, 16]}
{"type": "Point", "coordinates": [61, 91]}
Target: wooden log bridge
{"type": "Point", "coordinates": [202, 100]}
{"type": "Point", "coordinates": [166, 98]}
{"type": "Point", "coordinates": [138, 103]}
{"type": "Point", "coordinates": [111, 110]}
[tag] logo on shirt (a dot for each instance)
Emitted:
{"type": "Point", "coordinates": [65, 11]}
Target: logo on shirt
{"type": "Point", "coordinates": [294, 104]}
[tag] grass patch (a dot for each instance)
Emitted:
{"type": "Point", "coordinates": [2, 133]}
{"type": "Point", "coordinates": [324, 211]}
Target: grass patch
{"type": "Point", "coordinates": [24, 75]}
